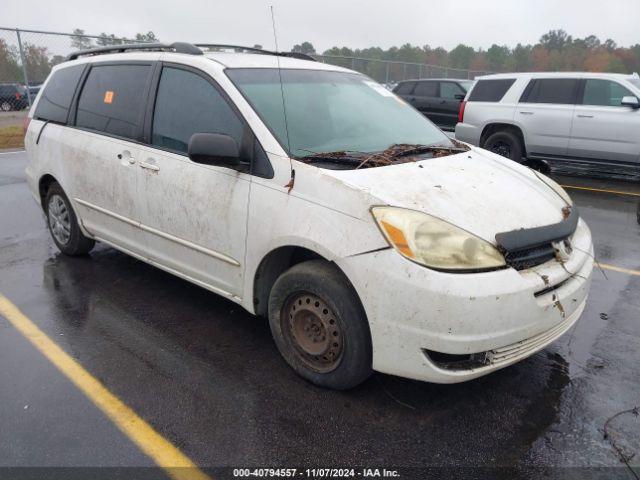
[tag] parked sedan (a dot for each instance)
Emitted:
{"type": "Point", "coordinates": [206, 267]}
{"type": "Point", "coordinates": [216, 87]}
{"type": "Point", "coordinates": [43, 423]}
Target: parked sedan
{"type": "Point", "coordinates": [437, 99]}
{"type": "Point", "coordinates": [13, 96]}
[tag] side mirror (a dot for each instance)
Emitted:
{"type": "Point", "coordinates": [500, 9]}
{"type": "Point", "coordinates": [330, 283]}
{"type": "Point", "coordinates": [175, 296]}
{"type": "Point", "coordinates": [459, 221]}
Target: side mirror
{"type": "Point", "coordinates": [459, 96]}
{"type": "Point", "coordinates": [630, 101]}
{"type": "Point", "coordinates": [215, 149]}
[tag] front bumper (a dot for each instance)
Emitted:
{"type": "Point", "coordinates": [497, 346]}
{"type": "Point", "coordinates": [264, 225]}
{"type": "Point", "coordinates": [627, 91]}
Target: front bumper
{"type": "Point", "coordinates": [506, 314]}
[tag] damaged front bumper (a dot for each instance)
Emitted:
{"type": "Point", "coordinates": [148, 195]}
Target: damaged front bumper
{"type": "Point", "coordinates": [448, 328]}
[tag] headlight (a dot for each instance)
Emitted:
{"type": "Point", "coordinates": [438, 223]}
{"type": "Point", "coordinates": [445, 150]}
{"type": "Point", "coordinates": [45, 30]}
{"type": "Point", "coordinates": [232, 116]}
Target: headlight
{"type": "Point", "coordinates": [553, 185]}
{"type": "Point", "coordinates": [435, 243]}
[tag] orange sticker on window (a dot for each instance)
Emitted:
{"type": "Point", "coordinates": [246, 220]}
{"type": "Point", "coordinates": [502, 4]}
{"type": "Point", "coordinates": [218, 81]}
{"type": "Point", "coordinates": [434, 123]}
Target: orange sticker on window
{"type": "Point", "coordinates": [108, 96]}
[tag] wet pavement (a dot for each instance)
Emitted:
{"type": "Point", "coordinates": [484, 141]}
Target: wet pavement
{"type": "Point", "coordinates": [207, 376]}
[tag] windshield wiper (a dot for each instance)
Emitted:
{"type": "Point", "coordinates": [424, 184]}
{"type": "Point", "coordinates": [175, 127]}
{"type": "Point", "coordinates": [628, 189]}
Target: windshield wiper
{"type": "Point", "coordinates": [338, 157]}
{"type": "Point", "coordinates": [402, 149]}
{"type": "Point", "coordinates": [396, 153]}
{"type": "Point", "coordinates": [400, 153]}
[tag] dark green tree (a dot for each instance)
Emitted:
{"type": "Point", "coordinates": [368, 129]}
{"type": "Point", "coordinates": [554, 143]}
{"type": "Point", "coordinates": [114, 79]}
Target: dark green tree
{"type": "Point", "coordinates": [148, 37]}
{"type": "Point", "coordinates": [108, 39]}
{"type": "Point", "coordinates": [79, 41]}
{"type": "Point", "coordinates": [555, 40]}
{"type": "Point", "coordinates": [304, 47]}
{"type": "Point", "coordinates": [461, 56]}
{"type": "Point", "coordinates": [497, 57]}
{"type": "Point", "coordinates": [37, 62]}
{"type": "Point", "coordinates": [9, 66]}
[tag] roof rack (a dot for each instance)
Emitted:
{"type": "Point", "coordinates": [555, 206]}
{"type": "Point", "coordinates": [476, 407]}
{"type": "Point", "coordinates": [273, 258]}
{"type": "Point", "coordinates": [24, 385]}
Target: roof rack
{"type": "Point", "coordinates": [178, 47]}
{"type": "Point", "coordinates": [182, 47]}
{"type": "Point", "coordinates": [220, 46]}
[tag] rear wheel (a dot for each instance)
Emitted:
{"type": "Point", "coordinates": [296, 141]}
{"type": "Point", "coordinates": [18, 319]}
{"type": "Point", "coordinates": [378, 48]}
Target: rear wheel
{"type": "Point", "coordinates": [506, 144]}
{"type": "Point", "coordinates": [63, 223]}
{"type": "Point", "coordinates": [5, 106]}
{"type": "Point", "coordinates": [319, 325]}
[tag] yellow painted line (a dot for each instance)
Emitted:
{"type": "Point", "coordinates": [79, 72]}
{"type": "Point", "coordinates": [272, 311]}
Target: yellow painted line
{"type": "Point", "coordinates": [628, 271]}
{"type": "Point", "coordinates": [604, 190]}
{"type": "Point", "coordinates": [176, 464]}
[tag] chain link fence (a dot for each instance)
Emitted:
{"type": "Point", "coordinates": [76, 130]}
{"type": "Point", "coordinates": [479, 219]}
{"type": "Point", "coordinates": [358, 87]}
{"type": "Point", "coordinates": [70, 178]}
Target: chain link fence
{"type": "Point", "coordinates": [390, 72]}
{"type": "Point", "coordinates": [27, 56]}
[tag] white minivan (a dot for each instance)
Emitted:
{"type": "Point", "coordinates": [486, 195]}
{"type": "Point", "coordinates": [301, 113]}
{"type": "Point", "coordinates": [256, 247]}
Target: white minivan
{"type": "Point", "coordinates": [311, 195]}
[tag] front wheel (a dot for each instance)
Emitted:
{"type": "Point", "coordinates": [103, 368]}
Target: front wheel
{"type": "Point", "coordinates": [506, 144]}
{"type": "Point", "coordinates": [5, 106]}
{"type": "Point", "coordinates": [319, 325]}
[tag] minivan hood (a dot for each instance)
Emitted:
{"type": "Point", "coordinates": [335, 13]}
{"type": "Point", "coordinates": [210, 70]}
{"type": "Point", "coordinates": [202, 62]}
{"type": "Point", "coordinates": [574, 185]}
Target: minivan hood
{"type": "Point", "coordinates": [477, 190]}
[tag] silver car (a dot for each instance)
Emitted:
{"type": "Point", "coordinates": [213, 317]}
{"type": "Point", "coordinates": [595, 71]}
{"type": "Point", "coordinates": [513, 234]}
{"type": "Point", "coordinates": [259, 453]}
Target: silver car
{"type": "Point", "coordinates": [571, 117]}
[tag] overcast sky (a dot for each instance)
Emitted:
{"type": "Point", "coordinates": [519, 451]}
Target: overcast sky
{"type": "Point", "coordinates": [327, 23]}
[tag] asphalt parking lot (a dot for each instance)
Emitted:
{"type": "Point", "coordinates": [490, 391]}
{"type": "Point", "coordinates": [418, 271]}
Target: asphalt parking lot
{"type": "Point", "coordinates": [208, 378]}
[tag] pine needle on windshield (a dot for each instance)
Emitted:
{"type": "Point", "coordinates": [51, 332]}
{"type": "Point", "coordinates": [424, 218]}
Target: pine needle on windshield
{"type": "Point", "coordinates": [394, 154]}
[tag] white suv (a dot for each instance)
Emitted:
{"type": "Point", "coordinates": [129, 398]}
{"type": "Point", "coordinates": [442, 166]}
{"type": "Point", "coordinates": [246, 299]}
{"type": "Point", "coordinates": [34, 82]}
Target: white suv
{"type": "Point", "coordinates": [568, 117]}
{"type": "Point", "coordinates": [311, 195]}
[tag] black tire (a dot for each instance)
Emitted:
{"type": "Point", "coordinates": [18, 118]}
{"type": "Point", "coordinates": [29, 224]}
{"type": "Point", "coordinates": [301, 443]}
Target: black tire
{"type": "Point", "coordinates": [77, 243]}
{"type": "Point", "coordinates": [505, 143]}
{"type": "Point", "coordinates": [6, 106]}
{"type": "Point", "coordinates": [340, 316]}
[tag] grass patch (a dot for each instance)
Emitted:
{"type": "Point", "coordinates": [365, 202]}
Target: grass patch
{"type": "Point", "coordinates": [11, 137]}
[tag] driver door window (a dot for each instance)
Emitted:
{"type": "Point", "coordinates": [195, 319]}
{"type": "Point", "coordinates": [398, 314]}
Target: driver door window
{"type": "Point", "coordinates": [604, 93]}
{"type": "Point", "coordinates": [603, 128]}
{"type": "Point", "coordinates": [187, 103]}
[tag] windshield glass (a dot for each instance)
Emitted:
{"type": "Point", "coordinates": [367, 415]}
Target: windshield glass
{"type": "Point", "coordinates": [635, 82]}
{"type": "Point", "coordinates": [332, 111]}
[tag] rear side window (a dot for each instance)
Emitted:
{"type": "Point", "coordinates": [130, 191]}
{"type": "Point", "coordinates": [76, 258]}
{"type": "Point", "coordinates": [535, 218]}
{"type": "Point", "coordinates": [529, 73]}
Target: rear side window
{"type": "Point", "coordinates": [449, 90]}
{"type": "Point", "coordinates": [404, 88]}
{"type": "Point", "coordinates": [490, 90]}
{"type": "Point", "coordinates": [187, 103]}
{"type": "Point", "coordinates": [561, 91]}
{"type": "Point", "coordinates": [426, 89]}
{"type": "Point", "coordinates": [604, 92]}
{"type": "Point", "coordinates": [7, 90]}
{"type": "Point", "coordinates": [113, 98]}
{"type": "Point", "coordinates": [56, 98]}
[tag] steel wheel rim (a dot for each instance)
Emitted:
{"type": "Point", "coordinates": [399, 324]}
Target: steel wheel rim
{"type": "Point", "coordinates": [59, 219]}
{"type": "Point", "coordinates": [311, 328]}
{"type": "Point", "coordinates": [502, 148]}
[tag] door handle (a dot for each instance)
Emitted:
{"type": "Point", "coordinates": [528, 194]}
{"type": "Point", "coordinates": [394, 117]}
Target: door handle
{"type": "Point", "coordinates": [149, 166]}
{"type": "Point", "coordinates": [526, 113]}
{"type": "Point", "coordinates": [585, 116]}
{"type": "Point", "coordinates": [127, 158]}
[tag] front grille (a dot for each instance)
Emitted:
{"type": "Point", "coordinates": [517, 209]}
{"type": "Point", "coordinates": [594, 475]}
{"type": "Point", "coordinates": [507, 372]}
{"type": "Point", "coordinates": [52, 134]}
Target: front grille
{"type": "Point", "coordinates": [529, 247]}
{"type": "Point", "coordinates": [524, 347]}
{"type": "Point", "coordinates": [530, 257]}
{"type": "Point", "coordinates": [501, 355]}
